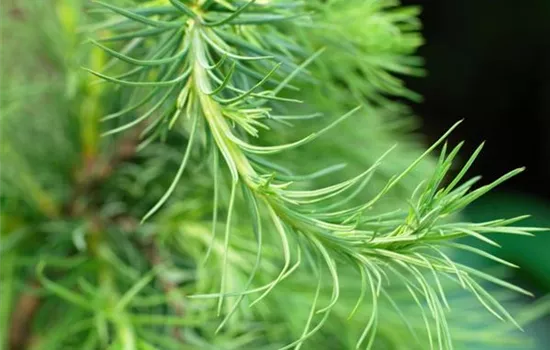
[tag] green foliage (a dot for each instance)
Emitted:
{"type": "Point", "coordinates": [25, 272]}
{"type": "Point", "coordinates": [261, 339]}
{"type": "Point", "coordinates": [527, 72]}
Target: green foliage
{"type": "Point", "coordinates": [218, 121]}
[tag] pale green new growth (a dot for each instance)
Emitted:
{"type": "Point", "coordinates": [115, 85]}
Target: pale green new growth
{"type": "Point", "coordinates": [246, 241]}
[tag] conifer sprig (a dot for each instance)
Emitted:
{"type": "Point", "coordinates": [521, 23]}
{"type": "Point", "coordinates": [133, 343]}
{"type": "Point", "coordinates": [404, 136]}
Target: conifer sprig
{"type": "Point", "coordinates": [206, 65]}
{"type": "Point", "coordinates": [249, 239]}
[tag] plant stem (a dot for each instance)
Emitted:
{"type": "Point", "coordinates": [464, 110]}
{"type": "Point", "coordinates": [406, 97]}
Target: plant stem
{"type": "Point", "coordinates": [234, 157]}
{"type": "Point", "coordinates": [20, 326]}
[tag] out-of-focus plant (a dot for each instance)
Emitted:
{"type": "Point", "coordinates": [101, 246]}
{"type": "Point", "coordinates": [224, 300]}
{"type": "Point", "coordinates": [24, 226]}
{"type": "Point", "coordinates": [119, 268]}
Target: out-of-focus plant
{"type": "Point", "coordinates": [222, 175]}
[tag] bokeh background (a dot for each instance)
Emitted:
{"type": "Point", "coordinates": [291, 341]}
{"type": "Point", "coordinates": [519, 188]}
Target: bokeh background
{"type": "Point", "coordinates": [489, 63]}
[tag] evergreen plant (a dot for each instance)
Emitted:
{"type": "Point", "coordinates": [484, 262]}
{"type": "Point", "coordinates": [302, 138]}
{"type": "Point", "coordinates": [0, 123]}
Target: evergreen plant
{"type": "Point", "coordinates": [231, 174]}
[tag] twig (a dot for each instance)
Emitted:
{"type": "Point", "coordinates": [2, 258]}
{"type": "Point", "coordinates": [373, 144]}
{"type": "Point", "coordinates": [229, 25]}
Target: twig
{"type": "Point", "coordinates": [92, 175]}
{"type": "Point", "coordinates": [97, 170]}
{"type": "Point", "coordinates": [20, 325]}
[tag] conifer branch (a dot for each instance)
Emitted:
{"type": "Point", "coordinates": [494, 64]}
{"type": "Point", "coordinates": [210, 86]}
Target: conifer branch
{"type": "Point", "coordinates": [223, 52]}
{"type": "Point", "coordinates": [266, 220]}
